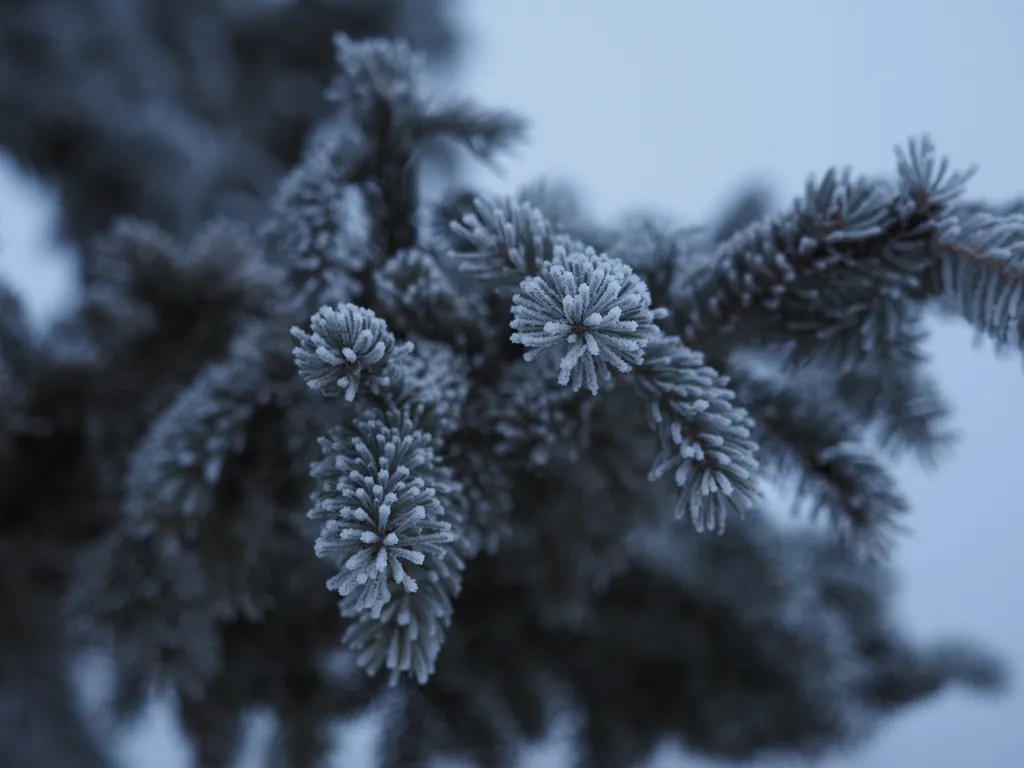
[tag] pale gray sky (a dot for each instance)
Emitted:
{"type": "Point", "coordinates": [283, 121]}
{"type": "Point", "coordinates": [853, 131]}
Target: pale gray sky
{"type": "Point", "coordinates": [671, 104]}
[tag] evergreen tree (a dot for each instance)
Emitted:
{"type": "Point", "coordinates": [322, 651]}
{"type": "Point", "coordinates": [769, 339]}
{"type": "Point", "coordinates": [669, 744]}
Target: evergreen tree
{"type": "Point", "coordinates": [486, 460]}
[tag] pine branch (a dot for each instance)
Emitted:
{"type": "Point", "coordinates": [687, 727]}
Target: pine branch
{"type": "Point", "coordinates": [705, 438]}
{"type": "Point", "coordinates": [381, 498]}
{"type": "Point", "coordinates": [378, 90]}
{"type": "Point", "coordinates": [379, 517]}
{"type": "Point", "coordinates": [501, 242]}
{"type": "Point", "coordinates": [803, 437]}
{"type": "Point", "coordinates": [790, 613]}
{"type": "Point", "coordinates": [834, 267]}
{"type": "Point", "coordinates": [418, 297]}
{"type": "Point", "coordinates": [319, 229]}
{"type": "Point", "coordinates": [151, 597]}
{"type": "Point", "coordinates": [174, 473]}
{"type": "Point", "coordinates": [898, 396]}
{"type": "Point", "coordinates": [179, 561]}
{"type": "Point", "coordinates": [982, 275]}
{"type": "Point", "coordinates": [529, 420]}
{"type": "Point", "coordinates": [180, 112]}
{"type": "Point", "coordinates": [372, 69]}
{"type": "Point", "coordinates": [141, 278]}
{"type": "Point", "coordinates": [486, 133]}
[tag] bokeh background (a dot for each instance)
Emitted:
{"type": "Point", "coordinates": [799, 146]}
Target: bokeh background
{"type": "Point", "coordinates": [671, 105]}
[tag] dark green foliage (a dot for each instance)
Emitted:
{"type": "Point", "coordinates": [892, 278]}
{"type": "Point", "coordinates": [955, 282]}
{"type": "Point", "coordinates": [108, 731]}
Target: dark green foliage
{"type": "Point", "coordinates": [356, 454]}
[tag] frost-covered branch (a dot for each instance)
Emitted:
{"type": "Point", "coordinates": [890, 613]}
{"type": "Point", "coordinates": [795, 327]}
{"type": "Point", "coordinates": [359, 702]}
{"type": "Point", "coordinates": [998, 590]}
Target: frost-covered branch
{"type": "Point", "coordinates": [382, 500]}
{"type": "Point", "coordinates": [898, 396]}
{"type": "Point", "coordinates": [982, 275]}
{"type": "Point", "coordinates": [319, 230]}
{"type": "Point", "coordinates": [419, 297]}
{"type": "Point", "coordinates": [501, 242]}
{"type": "Point", "coordinates": [833, 269]}
{"type": "Point", "coordinates": [174, 473]}
{"type": "Point", "coordinates": [486, 133]}
{"type": "Point", "coordinates": [352, 202]}
{"type": "Point", "coordinates": [529, 419]}
{"type": "Point", "coordinates": [705, 437]}
{"type": "Point", "coordinates": [807, 439]}
{"type": "Point", "coordinates": [151, 597]}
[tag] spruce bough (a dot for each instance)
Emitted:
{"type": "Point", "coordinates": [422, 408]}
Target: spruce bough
{"type": "Point", "coordinates": [459, 456]}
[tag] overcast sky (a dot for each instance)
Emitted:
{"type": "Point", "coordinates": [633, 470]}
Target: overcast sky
{"type": "Point", "coordinates": [671, 104]}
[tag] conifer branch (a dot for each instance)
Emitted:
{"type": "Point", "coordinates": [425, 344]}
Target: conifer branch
{"type": "Point", "coordinates": [418, 297]}
{"type": "Point", "coordinates": [382, 501]}
{"type": "Point", "coordinates": [433, 382]}
{"type": "Point", "coordinates": [897, 395]}
{"type": "Point", "coordinates": [486, 133]}
{"type": "Point", "coordinates": [705, 438]}
{"type": "Point", "coordinates": [982, 275]}
{"type": "Point", "coordinates": [173, 475]}
{"type": "Point", "coordinates": [528, 419]}
{"type": "Point", "coordinates": [319, 230]}
{"type": "Point", "coordinates": [151, 597]}
{"type": "Point", "coordinates": [804, 438]}
{"type": "Point", "coordinates": [501, 242]}
{"type": "Point", "coordinates": [834, 268]}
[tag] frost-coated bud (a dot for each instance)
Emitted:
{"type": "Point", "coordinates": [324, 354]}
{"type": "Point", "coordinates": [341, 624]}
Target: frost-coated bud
{"type": "Point", "coordinates": [594, 304]}
{"type": "Point", "coordinates": [349, 345]}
